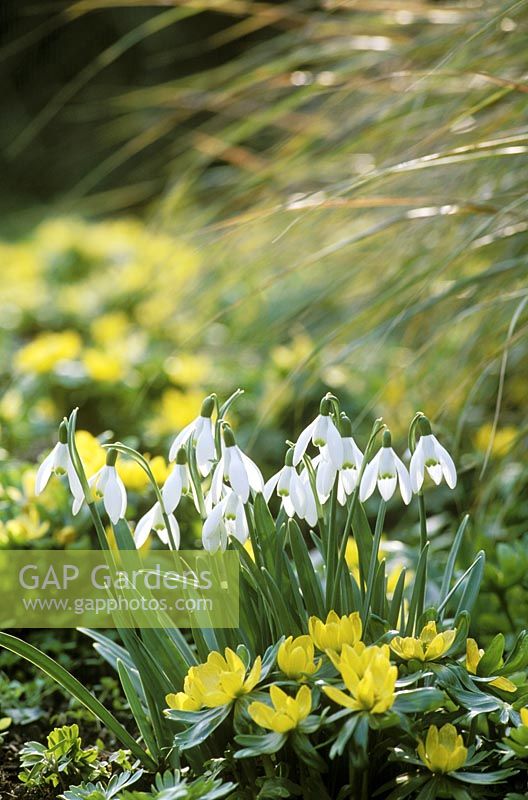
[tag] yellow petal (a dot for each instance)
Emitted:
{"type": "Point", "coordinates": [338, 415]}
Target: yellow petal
{"type": "Point", "coordinates": [340, 697]}
{"type": "Point", "coordinates": [253, 676]}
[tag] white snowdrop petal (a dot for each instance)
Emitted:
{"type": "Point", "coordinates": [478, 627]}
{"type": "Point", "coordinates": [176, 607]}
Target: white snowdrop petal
{"type": "Point", "coordinates": [211, 530]}
{"type": "Point", "coordinates": [44, 471]}
{"type": "Point", "coordinates": [256, 481]}
{"type": "Point", "coordinates": [448, 465]}
{"type": "Point", "coordinates": [435, 471]}
{"type": "Point", "coordinates": [335, 444]}
{"type": "Point", "coordinates": [303, 442]}
{"type": "Point", "coordinates": [320, 431]}
{"type": "Point", "coordinates": [298, 495]}
{"type": "Point", "coordinates": [180, 439]}
{"type": "Point", "coordinates": [403, 480]}
{"type": "Point", "coordinates": [310, 514]}
{"type": "Point", "coordinates": [205, 449]}
{"type": "Point", "coordinates": [386, 487]}
{"type": "Point", "coordinates": [144, 527]}
{"type": "Point", "coordinates": [114, 495]}
{"type": "Point", "coordinates": [417, 468]}
{"type": "Point", "coordinates": [175, 531]}
{"type": "Point", "coordinates": [370, 476]}
{"type": "Point", "coordinates": [237, 475]}
{"type": "Point", "coordinates": [270, 485]}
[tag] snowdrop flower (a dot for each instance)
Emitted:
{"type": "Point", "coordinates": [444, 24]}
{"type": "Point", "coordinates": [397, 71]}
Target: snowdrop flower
{"type": "Point", "coordinates": [234, 466]}
{"type": "Point", "coordinates": [431, 456]}
{"type": "Point", "coordinates": [58, 462]}
{"type": "Point", "coordinates": [295, 494]}
{"type": "Point", "coordinates": [323, 433]}
{"type": "Point", "coordinates": [202, 432]}
{"type": "Point", "coordinates": [348, 472]}
{"type": "Point", "coordinates": [226, 519]}
{"type": "Point", "coordinates": [107, 484]}
{"type": "Point", "coordinates": [153, 521]}
{"type": "Point", "coordinates": [386, 470]}
{"type": "Point", "coordinates": [178, 482]}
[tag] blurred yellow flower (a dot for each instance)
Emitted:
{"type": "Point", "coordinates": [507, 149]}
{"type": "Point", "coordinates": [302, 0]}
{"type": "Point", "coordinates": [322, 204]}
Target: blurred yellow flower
{"type": "Point", "coordinates": [473, 656]}
{"type": "Point", "coordinates": [46, 350]}
{"type": "Point", "coordinates": [288, 357]}
{"type": "Point", "coordinates": [430, 645]}
{"type": "Point", "coordinates": [394, 569]}
{"type": "Point", "coordinates": [103, 366]}
{"type": "Point", "coordinates": [110, 327]}
{"type": "Point", "coordinates": [23, 529]}
{"type": "Point", "coordinates": [368, 676]}
{"type": "Point", "coordinates": [295, 658]}
{"type": "Point", "coordinates": [336, 631]}
{"type": "Point", "coordinates": [187, 369]}
{"type": "Point", "coordinates": [65, 535]}
{"type": "Point", "coordinates": [176, 411]}
{"type": "Point", "coordinates": [219, 681]}
{"type": "Point", "coordinates": [92, 454]}
{"type": "Point", "coordinates": [503, 440]}
{"type": "Point", "coordinates": [287, 712]}
{"type": "Point", "coordinates": [11, 404]}
{"type": "Point", "coordinates": [443, 750]}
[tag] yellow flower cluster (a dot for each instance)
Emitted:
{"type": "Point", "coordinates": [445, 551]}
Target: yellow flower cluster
{"type": "Point", "coordinates": [443, 750]}
{"type": "Point", "coordinates": [133, 476]}
{"type": "Point", "coordinates": [473, 656]}
{"type": "Point", "coordinates": [367, 674]}
{"type": "Point", "coordinates": [46, 350]}
{"type": "Point", "coordinates": [336, 631]}
{"type": "Point", "coordinates": [287, 712]}
{"type": "Point", "coordinates": [221, 680]}
{"type": "Point", "coordinates": [295, 658]}
{"type": "Point", "coordinates": [429, 646]}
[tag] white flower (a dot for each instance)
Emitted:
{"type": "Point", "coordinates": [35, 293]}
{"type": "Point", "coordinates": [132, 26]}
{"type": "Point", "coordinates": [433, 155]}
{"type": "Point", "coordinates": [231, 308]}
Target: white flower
{"type": "Point", "coordinates": [234, 466]}
{"type": "Point", "coordinates": [322, 432]}
{"type": "Point", "coordinates": [153, 521]}
{"type": "Point", "coordinates": [431, 456]}
{"type": "Point", "coordinates": [227, 518]}
{"type": "Point", "coordinates": [295, 494]}
{"type": "Point", "coordinates": [178, 482]}
{"type": "Point", "coordinates": [58, 462]}
{"type": "Point", "coordinates": [348, 472]}
{"type": "Point", "coordinates": [107, 484]}
{"type": "Point", "coordinates": [386, 470]}
{"type": "Point", "coordinates": [202, 432]}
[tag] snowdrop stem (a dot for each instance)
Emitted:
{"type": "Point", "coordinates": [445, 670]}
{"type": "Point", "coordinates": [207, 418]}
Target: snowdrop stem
{"type": "Point", "coordinates": [79, 470]}
{"type": "Point", "coordinates": [378, 426]}
{"type": "Point", "coordinates": [423, 546]}
{"type": "Point", "coordinates": [195, 477]}
{"type": "Point", "coordinates": [143, 463]}
{"type": "Point", "coordinates": [380, 519]}
{"type": "Point", "coordinates": [331, 543]}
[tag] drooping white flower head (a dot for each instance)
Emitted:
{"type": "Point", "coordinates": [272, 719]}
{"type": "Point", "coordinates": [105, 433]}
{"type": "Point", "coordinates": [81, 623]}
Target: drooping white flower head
{"type": "Point", "coordinates": [322, 432]}
{"type": "Point", "coordinates": [296, 495]}
{"type": "Point", "coordinates": [386, 471]}
{"type": "Point", "coordinates": [227, 518]}
{"type": "Point", "coordinates": [107, 484]}
{"type": "Point", "coordinates": [202, 432]}
{"type": "Point", "coordinates": [431, 456]}
{"type": "Point", "coordinates": [58, 462]}
{"type": "Point", "coordinates": [234, 466]}
{"type": "Point", "coordinates": [178, 483]}
{"type": "Point", "coordinates": [153, 521]}
{"type": "Point", "coordinates": [348, 472]}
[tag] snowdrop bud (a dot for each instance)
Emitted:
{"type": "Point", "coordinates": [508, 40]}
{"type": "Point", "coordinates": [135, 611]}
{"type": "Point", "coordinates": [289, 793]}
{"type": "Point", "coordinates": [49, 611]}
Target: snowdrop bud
{"type": "Point", "coordinates": [386, 439]}
{"type": "Point", "coordinates": [208, 406]}
{"type": "Point", "coordinates": [111, 457]}
{"type": "Point", "coordinates": [229, 436]}
{"type": "Point", "coordinates": [181, 456]}
{"type": "Point", "coordinates": [63, 433]}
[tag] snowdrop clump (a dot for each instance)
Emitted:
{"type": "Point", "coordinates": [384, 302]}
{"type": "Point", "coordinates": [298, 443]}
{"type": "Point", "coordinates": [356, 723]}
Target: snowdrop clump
{"type": "Point", "coordinates": [222, 480]}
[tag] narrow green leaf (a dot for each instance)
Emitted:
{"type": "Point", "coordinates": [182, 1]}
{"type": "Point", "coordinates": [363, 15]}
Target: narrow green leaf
{"type": "Point", "coordinates": [129, 688]}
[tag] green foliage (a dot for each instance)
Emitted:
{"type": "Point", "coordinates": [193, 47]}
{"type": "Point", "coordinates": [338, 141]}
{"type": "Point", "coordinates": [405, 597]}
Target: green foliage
{"type": "Point", "coordinates": [62, 759]}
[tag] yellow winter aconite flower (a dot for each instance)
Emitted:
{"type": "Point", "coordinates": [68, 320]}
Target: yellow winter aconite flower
{"type": "Point", "coordinates": [102, 366]}
{"type": "Point", "coordinates": [24, 528]}
{"type": "Point", "coordinates": [46, 350]}
{"type": "Point", "coordinates": [336, 631]}
{"type": "Point", "coordinates": [430, 645]}
{"type": "Point", "coordinates": [473, 656]}
{"type": "Point", "coordinates": [443, 750]}
{"type": "Point", "coordinates": [217, 682]}
{"type": "Point", "coordinates": [295, 658]}
{"type": "Point", "coordinates": [177, 409]}
{"type": "Point", "coordinates": [368, 675]}
{"type": "Point", "coordinates": [92, 454]}
{"type": "Point", "coordinates": [187, 369]}
{"type": "Point", "coordinates": [501, 442]}
{"type": "Point", "coordinates": [524, 716]}
{"type": "Point", "coordinates": [110, 327]}
{"type": "Point", "coordinates": [286, 712]}
{"type": "Point", "coordinates": [394, 569]}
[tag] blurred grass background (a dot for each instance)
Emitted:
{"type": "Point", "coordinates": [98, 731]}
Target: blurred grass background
{"type": "Point", "coordinates": [289, 197]}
